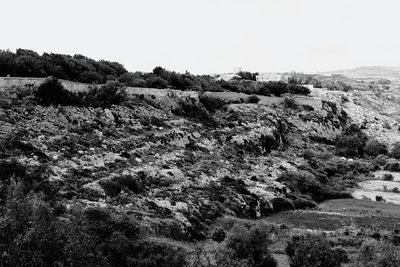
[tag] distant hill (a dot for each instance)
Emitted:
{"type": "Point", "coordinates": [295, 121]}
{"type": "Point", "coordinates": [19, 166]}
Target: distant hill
{"type": "Point", "coordinates": [392, 73]}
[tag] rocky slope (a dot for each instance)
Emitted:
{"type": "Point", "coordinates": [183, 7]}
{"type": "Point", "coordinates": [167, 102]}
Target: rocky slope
{"type": "Point", "coordinates": [172, 166]}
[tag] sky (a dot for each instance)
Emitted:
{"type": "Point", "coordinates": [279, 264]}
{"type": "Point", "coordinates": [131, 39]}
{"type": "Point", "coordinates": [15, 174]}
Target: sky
{"type": "Point", "coordinates": [210, 36]}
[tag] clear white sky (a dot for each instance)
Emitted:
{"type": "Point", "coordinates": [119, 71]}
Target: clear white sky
{"type": "Point", "coordinates": [210, 36]}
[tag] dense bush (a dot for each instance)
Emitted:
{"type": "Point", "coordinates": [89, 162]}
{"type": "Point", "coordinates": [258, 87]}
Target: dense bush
{"type": "Point", "coordinates": [27, 63]}
{"type": "Point", "coordinates": [309, 250]}
{"type": "Point", "coordinates": [392, 166]}
{"type": "Point", "coordinates": [289, 102]}
{"type": "Point", "coordinates": [253, 99]}
{"type": "Point", "coordinates": [319, 187]}
{"type": "Point", "coordinates": [52, 92]}
{"type": "Point", "coordinates": [395, 152]}
{"type": "Point", "coordinates": [349, 146]}
{"type": "Point", "coordinates": [246, 75]}
{"type": "Point", "coordinates": [251, 243]}
{"type": "Point", "coordinates": [388, 177]}
{"type": "Point", "coordinates": [377, 254]}
{"type": "Point", "coordinates": [375, 148]}
{"type": "Point", "coordinates": [112, 93]}
{"type": "Point", "coordinates": [298, 89]}
{"type": "Point", "coordinates": [212, 103]}
{"type": "Point", "coordinates": [282, 204]}
{"type": "Point", "coordinates": [31, 235]}
{"type": "Point", "coordinates": [115, 185]}
{"type": "Point", "coordinates": [218, 234]}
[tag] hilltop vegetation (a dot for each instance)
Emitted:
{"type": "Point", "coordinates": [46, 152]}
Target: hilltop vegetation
{"type": "Point", "coordinates": [27, 63]}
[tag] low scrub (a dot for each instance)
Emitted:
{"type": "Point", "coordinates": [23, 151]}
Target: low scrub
{"type": "Point", "coordinates": [314, 251]}
{"type": "Point", "coordinates": [112, 93]}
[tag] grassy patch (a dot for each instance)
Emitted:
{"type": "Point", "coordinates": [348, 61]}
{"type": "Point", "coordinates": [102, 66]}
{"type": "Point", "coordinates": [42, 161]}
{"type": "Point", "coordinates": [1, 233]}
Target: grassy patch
{"type": "Point", "coordinates": [331, 222]}
{"type": "Point", "coordinates": [357, 207]}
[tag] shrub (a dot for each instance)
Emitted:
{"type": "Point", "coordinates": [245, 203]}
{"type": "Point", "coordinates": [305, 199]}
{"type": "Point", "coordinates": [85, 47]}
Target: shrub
{"type": "Point", "coordinates": [392, 166]}
{"type": "Point", "coordinates": [308, 154]}
{"type": "Point", "coordinates": [395, 152]}
{"type": "Point", "coordinates": [298, 89]}
{"type": "Point", "coordinates": [246, 75]}
{"type": "Point", "coordinates": [153, 253]}
{"type": "Point", "coordinates": [282, 204]}
{"type": "Point", "coordinates": [377, 254]}
{"type": "Point", "coordinates": [305, 183]}
{"type": "Point", "coordinates": [212, 103]}
{"type": "Point", "coordinates": [52, 92]}
{"type": "Point", "coordinates": [375, 148]}
{"type": "Point", "coordinates": [251, 243]}
{"type": "Point", "coordinates": [348, 146]}
{"type": "Point", "coordinates": [314, 251]}
{"type": "Point", "coordinates": [388, 177]}
{"type": "Point", "coordinates": [218, 235]}
{"type": "Point", "coordinates": [253, 99]}
{"type": "Point", "coordinates": [289, 102]}
{"type": "Point", "coordinates": [156, 82]}
{"type": "Point", "coordinates": [125, 182]}
{"type": "Point", "coordinates": [272, 87]}
{"type": "Point", "coordinates": [113, 93]}
{"type": "Point", "coordinates": [29, 235]}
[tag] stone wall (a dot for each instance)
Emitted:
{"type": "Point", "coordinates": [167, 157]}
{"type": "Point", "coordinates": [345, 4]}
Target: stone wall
{"type": "Point", "coordinates": [27, 82]}
{"type": "Point", "coordinates": [20, 82]}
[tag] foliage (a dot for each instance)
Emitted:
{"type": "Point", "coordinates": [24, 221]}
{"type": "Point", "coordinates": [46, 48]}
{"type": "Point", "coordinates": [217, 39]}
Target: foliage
{"type": "Point", "coordinates": [251, 243]}
{"type": "Point", "coordinates": [309, 250]}
{"type": "Point", "coordinates": [375, 148]}
{"type": "Point", "coordinates": [395, 152]}
{"type": "Point", "coordinates": [218, 234]}
{"type": "Point", "coordinates": [115, 185]}
{"type": "Point", "coordinates": [388, 177]}
{"type": "Point", "coordinates": [289, 102]}
{"type": "Point", "coordinates": [246, 75]}
{"type": "Point", "coordinates": [392, 166]}
{"type": "Point", "coordinates": [282, 204]}
{"type": "Point", "coordinates": [298, 89]}
{"type": "Point", "coordinates": [319, 185]}
{"type": "Point", "coordinates": [212, 103]}
{"type": "Point", "coordinates": [253, 99]}
{"type": "Point", "coordinates": [378, 254]}
{"type": "Point", "coordinates": [112, 93]}
{"type": "Point", "coordinates": [348, 146]}
{"type": "Point", "coordinates": [27, 63]}
{"type": "Point", "coordinates": [52, 92]}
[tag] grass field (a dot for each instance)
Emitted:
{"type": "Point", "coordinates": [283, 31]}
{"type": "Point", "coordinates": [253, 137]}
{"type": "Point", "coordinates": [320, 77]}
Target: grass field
{"type": "Point", "coordinates": [359, 207]}
{"type": "Point", "coordinates": [334, 214]}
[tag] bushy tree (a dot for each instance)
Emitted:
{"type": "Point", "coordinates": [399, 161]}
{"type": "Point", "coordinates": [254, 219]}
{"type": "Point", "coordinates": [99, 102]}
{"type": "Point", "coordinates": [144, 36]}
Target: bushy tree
{"type": "Point", "coordinates": [348, 146]}
{"type": "Point", "coordinates": [395, 152]}
{"type": "Point", "coordinates": [282, 204]}
{"type": "Point", "coordinates": [375, 148]}
{"type": "Point", "coordinates": [52, 92]}
{"type": "Point", "coordinates": [112, 93]}
{"type": "Point", "coordinates": [246, 75]}
{"type": "Point", "coordinates": [251, 243]}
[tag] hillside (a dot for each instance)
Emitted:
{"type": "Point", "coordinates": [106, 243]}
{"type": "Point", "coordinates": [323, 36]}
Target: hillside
{"type": "Point", "coordinates": [179, 165]}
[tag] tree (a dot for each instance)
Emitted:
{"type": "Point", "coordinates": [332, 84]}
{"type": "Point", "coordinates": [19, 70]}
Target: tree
{"type": "Point", "coordinates": [52, 92]}
{"type": "Point", "coordinates": [246, 75]}
{"type": "Point", "coordinates": [348, 146]}
{"type": "Point", "coordinates": [375, 148]}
